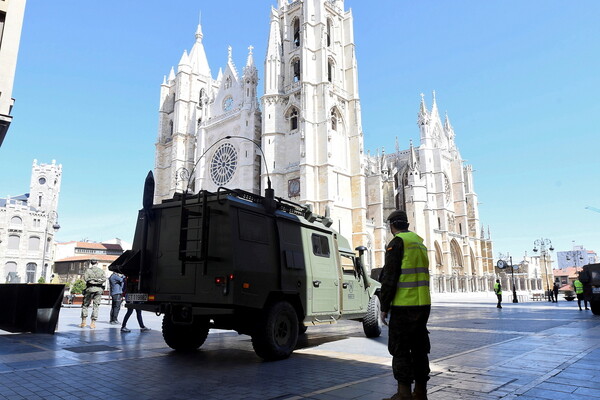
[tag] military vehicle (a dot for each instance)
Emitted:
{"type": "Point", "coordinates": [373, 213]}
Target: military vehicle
{"type": "Point", "coordinates": [261, 266]}
{"type": "Point", "coordinates": [590, 277]}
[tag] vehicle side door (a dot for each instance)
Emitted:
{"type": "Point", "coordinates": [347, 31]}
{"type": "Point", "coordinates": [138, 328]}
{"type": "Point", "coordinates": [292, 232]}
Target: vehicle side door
{"type": "Point", "coordinates": [323, 284]}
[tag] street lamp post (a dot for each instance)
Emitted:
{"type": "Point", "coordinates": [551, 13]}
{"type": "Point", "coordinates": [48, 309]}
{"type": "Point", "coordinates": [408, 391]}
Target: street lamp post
{"type": "Point", "coordinates": [52, 216]}
{"type": "Point", "coordinates": [512, 270]}
{"type": "Point", "coordinates": [575, 255]}
{"type": "Point", "coordinates": [544, 245]}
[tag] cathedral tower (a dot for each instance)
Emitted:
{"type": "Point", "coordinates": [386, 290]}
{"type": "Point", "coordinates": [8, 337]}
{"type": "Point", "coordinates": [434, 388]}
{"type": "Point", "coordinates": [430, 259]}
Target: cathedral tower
{"type": "Point", "coordinates": [209, 129]}
{"type": "Point", "coordinates": [45, 186]}
{"type": "Point", "coordinates": [312, 134]}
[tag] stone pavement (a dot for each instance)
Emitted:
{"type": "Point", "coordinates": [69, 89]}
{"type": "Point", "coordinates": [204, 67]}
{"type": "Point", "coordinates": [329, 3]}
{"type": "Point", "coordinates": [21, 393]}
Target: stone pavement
{"type": "Point", "coordinates": [531, 350]}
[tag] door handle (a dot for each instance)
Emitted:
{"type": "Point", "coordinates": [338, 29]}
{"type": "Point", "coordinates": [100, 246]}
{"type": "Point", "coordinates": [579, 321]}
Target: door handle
{"type": "Point", "coordinates": [316, 283]}
{"type": "Point", "coordinates": [345, 285]}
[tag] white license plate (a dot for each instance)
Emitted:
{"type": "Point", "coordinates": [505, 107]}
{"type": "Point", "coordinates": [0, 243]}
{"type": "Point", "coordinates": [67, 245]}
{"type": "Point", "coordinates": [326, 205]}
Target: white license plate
{"type": "Point", "coordinates": [137, 297]}
{"type": "Point", "coordinates": [596, 290]}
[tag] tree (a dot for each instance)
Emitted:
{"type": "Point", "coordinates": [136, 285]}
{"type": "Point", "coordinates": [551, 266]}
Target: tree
{"type": "Point", "coordinates": [78, 286]}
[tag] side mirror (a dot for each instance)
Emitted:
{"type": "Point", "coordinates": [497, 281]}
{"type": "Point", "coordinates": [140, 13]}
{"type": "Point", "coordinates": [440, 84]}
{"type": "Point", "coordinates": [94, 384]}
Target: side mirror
{"type": "Point", "coordinates": [361, 251]}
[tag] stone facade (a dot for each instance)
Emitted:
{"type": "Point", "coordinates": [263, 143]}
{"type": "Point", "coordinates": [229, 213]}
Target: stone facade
{"type": "Point", "coordinates": [312, 139]}
{"type": "Point", "coordinates": [197, 112]}
{"type": "Point", "coordinates": [27, 226]}
{"type": "Point", "coordinates": [11, 21]}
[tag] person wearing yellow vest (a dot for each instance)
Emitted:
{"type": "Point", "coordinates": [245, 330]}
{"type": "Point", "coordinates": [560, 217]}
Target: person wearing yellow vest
{"type": "Point", "coordinates": [498, 291]}
{"type": "Point", "coordinates": [578, 286]}
{"type": "Point", "coordinates": [405, 295]}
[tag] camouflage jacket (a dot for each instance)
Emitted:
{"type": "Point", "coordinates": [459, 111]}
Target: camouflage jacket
{"type": "Point", "coordinates": [94, 277]}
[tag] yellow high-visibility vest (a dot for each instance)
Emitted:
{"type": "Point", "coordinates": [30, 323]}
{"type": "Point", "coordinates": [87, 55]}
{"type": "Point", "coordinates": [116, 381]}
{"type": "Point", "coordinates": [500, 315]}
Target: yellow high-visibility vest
{"type": "Point", "coordinates": [497, 288]}
{"type": "Point", "coordinates": [413, 284]}
{"type": "Point", "coordinates": [578, 286]}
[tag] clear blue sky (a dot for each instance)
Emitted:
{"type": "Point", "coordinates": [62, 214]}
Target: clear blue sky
{"type": "Point", "coordinates": [519, 80]}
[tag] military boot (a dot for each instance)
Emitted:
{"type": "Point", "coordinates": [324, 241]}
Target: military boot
{"type": "Point", "coordinates": [403, 393]}
{"type": "Point", "coordinates": [82, 324]}
{"type": "Point", "coordinates": [420, 392]}
{"type": "Point", "coordinates": [93, 324]}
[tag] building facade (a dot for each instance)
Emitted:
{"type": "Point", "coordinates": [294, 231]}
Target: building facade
{"type": "Point", "coordinates": [307, 141]}
{"type": "Point", "coordinates": [73, 258]}
{"type": "Point", "coordinates": [11, 22]}
{"type": "Point", "coordinates": [577, 257]}
{"type": "Point", "coordinates": [27, 226]}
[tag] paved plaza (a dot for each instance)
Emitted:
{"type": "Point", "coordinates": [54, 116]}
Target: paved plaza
{"type": "Point", "coordinates": [527, 351]}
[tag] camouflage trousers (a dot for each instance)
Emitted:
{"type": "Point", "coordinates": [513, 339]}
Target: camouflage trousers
{"type": "Point", "coordinates": [92, 296]}
{"type": "Point", "coordinates": [409, 343]}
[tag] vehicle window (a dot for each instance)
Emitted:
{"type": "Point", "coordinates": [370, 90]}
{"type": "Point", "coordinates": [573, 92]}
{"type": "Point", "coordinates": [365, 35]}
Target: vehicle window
{"type": "Point", "coordinates": [320, 245]}
{"type": "Point", "coordinates": [347, 264]}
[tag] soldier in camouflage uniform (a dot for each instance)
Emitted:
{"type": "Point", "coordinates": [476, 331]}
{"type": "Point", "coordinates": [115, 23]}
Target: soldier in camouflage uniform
{"type": "Point", "coordinates": [405, 293]}
{"type": "Point", "coordinates": [94, 279]}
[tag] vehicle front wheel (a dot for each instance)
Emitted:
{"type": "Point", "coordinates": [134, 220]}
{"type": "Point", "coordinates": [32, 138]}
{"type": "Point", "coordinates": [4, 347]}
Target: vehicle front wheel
{"type": "Point", "coordinates": [372, 321]}
{"type": "Point", "coordinates": [276, 332]}
{"type": "Point", "coordinates": [186, 337]}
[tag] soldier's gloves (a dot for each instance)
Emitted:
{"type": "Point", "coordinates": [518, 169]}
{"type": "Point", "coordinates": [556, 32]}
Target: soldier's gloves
{"type": "Point", "coordinates": [384, 316]}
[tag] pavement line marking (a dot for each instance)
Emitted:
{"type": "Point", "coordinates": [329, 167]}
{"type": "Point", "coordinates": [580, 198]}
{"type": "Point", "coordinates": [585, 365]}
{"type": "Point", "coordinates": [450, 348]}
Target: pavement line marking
{"type": "Point", "coordinates": [475, 330]}
{"type": "Point", "coordinates": [387, 361]}
{"type": "Point", "coordinates": [336, 387]}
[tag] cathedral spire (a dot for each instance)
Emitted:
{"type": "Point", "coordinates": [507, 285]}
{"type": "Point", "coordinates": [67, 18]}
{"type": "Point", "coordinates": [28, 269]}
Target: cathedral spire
{"type": "Point", "coordinates": [423, 117]}
{"type": "Point", "coordinates": [171, 75]}
{"type": "Point", "coordinates": [197, 57]}
{"type": "Point", "coordinates": [273, 59]}
{"type": "Point", "coordinates": [412, 160]}
{"type": "Point", "coordinates": [434, 109]}
{"type": "Point", "coordinates": [250, 60]}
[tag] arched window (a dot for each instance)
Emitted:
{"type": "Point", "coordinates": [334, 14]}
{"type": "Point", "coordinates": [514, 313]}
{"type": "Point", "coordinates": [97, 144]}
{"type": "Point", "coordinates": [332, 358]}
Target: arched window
{"type": "Point", "coordinates": [334, 119]}
{"type": "Point", "coordinates": [439, 261]}
{"type": "Point", "coordinates": [201, 99]}
{"type": "Point", "coordinates": [31, 268]}
{"type": "Point", "coordinates": [171, 128]}
{"type": "Point", "coordinates": [457, 258]}
{"type": "Point", "coordinates": [330, 71]}
{"type": "Point", "coordinates": [294, 119]}
{"type": "Point", "coordinates": [10, 268]}
{"type": "Point", "coordinates": [296, 69]}
{"type": "Point", "coordinates": [296, 28]}
{"type": "Point", "coordinates": [13, 242]}
{"type": "Point", "coordinates": [329, 32]}
{"type": "Point", "coordinates": [16, 220]}
{"type": "Point", "coordinates": [34, 243]}
{"type": "Point", "coordinates": [227, 82]}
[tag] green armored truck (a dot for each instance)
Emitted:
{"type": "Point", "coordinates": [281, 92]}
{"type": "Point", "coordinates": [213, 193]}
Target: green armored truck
{"type": "Point", "coordinates": [590, 277]}
{"type": "Point", "coordinates": [262, 266]}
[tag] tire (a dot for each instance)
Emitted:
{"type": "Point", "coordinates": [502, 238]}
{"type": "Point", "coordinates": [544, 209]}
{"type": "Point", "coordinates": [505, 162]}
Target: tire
{"type": "Point", "coordinates": [595, 306]}
{"type": "Point", "coordinates": [372, 321]}
{"type": "Point", "coordinates": [185, 337]}
{"type": "Point", "coordinates": [276, 333]}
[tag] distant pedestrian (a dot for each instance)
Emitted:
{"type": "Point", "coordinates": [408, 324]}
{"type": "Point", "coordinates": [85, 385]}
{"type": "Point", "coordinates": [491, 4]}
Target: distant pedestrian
{"type": "Point", "coordinates": [498, 291]}
{"type": "Point", "coordinates": [116, 282]}
{"type": "Point", "coordinates": [555, 291]}
{"type": "Point", "coordinates": [578, 286]}
{"type": "Point", "coordinates": [94, 280]}
{"type": "Point", "coordinates": [138, 314]}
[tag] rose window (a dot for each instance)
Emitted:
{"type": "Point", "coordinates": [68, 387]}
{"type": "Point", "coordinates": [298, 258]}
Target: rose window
{"type": "Point", "coordinates": [223, 164]}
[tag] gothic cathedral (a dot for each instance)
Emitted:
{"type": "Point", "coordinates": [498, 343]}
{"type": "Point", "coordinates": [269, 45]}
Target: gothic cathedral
{"type": "Point", "coordinates": [307, 139]}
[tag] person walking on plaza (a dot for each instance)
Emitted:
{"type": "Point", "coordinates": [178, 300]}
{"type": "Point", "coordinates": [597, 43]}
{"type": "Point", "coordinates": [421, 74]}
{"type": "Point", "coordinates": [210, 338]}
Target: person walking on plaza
{"type": "Point", "coordinates": [498, 291]}
{"type": "Point", "coordinates": [578, 286]}
{"type": "Point", "coordinates": [405, 295]}
{"type": "Point", "coordinates": [116, 282]}
{"type": "Point", "coordinates": [94, 280]}
{"type": "Point", "coordinates": [138, 314]}
{"type": "Point", "coordinates": [555, 291]}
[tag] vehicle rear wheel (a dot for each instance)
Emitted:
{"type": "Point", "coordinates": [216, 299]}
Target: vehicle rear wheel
{"type": "Point", "coordinates": [372, 321]}
{"type": "Point", "coordinates": [276, 332]}
{"type": "Point", "coordinates": [595, 306]}
{"type": "Point", "coordinates": [186, 337]}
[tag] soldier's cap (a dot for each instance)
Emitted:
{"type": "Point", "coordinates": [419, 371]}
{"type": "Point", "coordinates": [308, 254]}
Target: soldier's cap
{"type": "Point", "coordinates": [94, 262]}
{"type": "Point", "coordinates": [398, 215]}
